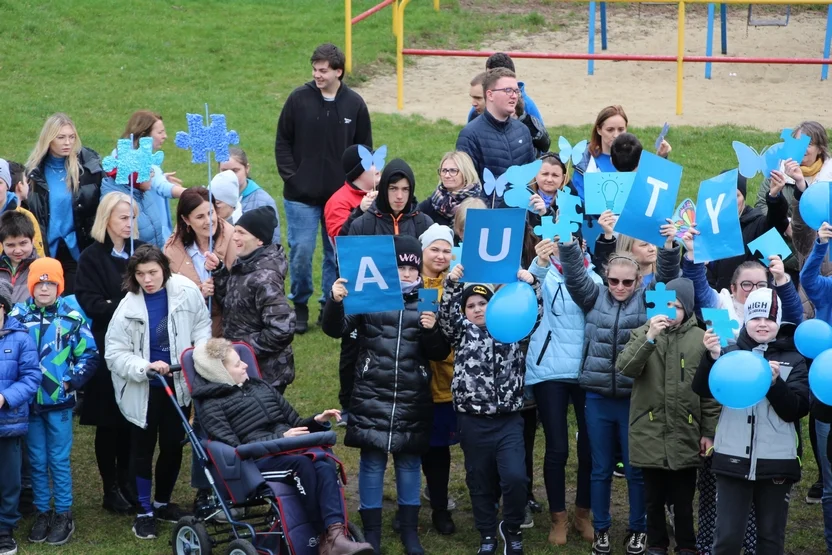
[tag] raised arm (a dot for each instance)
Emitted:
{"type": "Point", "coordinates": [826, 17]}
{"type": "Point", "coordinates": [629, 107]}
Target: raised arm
{"type": "Point", "coordinates": [818, 288]}
{"type": "Point", "coordinates": [451, 319]}
{"type": "Point", "coordinates": [581, 288]}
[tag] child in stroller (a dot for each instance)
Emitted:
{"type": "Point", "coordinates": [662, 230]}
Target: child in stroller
{"type": "Point", "coordinates": [236, 409]}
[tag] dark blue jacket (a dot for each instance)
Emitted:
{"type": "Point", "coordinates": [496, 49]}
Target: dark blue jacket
{"type": "Point", "coordinates": [20, 377]}
{"type": "Point", "coordinates": [496, 145]}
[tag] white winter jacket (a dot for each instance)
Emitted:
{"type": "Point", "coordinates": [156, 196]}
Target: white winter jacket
{"type": "Point", "coordinates": [128, 344]}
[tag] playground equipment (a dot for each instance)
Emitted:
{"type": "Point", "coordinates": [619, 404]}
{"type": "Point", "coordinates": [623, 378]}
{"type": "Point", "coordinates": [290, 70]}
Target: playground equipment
{"type": "Point", "coordinates": [680, 58]}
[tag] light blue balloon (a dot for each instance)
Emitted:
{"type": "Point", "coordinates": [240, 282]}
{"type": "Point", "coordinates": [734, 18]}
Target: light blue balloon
{"type": "Point", "coordinates": [740, 379]}
{"type": "Point", "coordinates": [820, 377]}
{"type": "Point", "coordinates": [812, 337]}
{"type": "Point", "coordinates": [814, 205]}
{"type": "Point", "coordinates": [512, 312]}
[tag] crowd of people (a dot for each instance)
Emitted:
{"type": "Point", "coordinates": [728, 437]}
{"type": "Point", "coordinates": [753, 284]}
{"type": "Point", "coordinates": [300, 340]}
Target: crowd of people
{"type": "Point", "coordinates": [99, 291]}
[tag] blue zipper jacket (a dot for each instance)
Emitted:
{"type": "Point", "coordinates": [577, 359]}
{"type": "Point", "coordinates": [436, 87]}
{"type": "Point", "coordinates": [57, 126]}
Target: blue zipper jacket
{"type": "Point", "coordinates": [151, 220]}
{"type": "Point", "coordinates": [818, 288]}
{"type": "Point", "coordinates": [19, 378]}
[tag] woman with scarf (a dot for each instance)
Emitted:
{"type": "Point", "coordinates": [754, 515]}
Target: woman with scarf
{"type": "Point", "coordinates": [457, 181]}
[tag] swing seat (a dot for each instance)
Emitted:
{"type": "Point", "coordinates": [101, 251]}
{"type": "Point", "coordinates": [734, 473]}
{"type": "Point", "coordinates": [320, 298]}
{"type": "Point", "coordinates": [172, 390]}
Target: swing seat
{"type": "Point", "coordinates": [782, 22]}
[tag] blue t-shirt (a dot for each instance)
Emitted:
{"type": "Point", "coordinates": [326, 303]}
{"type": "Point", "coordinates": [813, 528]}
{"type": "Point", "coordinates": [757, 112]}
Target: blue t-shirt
{"type": "Point", "coordinates": [157, 320]}
{"type": "Point", "coordinates": [61, 218]}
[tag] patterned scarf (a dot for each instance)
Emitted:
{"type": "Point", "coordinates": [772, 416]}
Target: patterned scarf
{"type": "Point", "coordinates": [809, 171]}
{"type": "Point", "coordinates": [445, 201]}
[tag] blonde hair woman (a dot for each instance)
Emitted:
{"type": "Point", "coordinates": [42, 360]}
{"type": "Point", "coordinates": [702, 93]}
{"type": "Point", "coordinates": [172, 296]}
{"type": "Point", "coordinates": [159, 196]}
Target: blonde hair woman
{"type": "Point", "coordinates": [461, 211]}
{"type": "Point", "coordinates": [458, 181]}
{"type": "Point", "coordinates": [65, 182]}
{"type": "Point", "coordinates": [644, 253]}
{"type": "Point", "coordinates": [98, 289]}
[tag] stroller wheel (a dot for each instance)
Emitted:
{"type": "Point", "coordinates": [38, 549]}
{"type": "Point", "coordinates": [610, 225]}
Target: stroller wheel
{"type": "Point", "coordinates": [191, 538]}
{"type": "Point", "coordinates": [356, 533]}
{"type": "Point", "coordinates": [240, 547]}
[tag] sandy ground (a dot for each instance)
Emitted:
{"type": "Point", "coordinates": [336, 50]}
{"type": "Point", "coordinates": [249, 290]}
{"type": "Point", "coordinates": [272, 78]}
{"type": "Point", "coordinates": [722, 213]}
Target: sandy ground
{"type": "Point", "coordinates": [768, 97]}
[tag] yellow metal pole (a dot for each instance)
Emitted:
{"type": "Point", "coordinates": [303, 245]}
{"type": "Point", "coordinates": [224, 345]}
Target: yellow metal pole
{"type": "Point", "coordinates": [680, 54]}
{"type": "Point", "coordinates": [399, 55]}
{"type": "Point", "coordinates": [348, 35]}
{"type": "Point", "coordinates": [436, 5]}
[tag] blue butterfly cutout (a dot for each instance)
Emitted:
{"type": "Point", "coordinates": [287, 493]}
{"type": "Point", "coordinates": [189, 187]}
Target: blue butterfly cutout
{"type": "Point", "coordinates": [519, 197]}
{"type": "Point", "coordinates": [568, 151]}
{"type": "Point", "coordinates": [752, 162]}
{"type": "Point", "coordinates": [493, 184]}
{"type": "Point", "coordinates": [370, 159]}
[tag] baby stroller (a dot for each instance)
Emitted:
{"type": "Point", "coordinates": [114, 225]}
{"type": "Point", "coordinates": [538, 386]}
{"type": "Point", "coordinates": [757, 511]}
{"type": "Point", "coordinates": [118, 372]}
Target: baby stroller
{"type": "Point", "coordinates": [275, 521]}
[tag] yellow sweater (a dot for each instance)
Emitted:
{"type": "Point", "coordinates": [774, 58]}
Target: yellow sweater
{"type": "Point", "coordinates": [443, 371]}
{"type": "Point", "coordinates": [37, 241]}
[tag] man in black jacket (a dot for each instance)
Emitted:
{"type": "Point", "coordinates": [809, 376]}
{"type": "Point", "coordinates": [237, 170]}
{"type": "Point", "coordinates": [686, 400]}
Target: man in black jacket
{"type": "Point", "coordinates": [318, 122]}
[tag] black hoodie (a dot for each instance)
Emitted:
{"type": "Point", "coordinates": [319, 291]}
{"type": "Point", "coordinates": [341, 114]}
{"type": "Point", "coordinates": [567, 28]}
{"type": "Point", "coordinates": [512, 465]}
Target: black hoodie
{"type": "Point", "coordinates": [312, 135]}
{"type": "Point", "coordinates": [379, 218]}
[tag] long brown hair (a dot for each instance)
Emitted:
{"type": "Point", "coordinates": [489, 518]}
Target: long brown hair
{"type": "Point", "coordinates": [191, 199]}
{"type": "Point", "coordinates": [604, 115]}
{"type": "Point", "coordinates": [140, 125]}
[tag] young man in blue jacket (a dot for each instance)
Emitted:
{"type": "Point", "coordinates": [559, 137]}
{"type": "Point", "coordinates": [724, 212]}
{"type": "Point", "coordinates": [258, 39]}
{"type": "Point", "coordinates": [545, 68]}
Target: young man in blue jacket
{"type": "Point", "coordinates": [19, 379]}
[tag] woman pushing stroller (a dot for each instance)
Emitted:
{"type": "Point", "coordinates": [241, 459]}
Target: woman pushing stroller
{"type": "Point", "coordinates": [237, 409]}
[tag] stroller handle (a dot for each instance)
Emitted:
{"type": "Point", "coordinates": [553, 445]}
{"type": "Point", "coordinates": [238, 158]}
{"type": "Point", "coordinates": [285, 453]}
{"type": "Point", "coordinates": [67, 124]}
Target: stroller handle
{"type": "Point", "coordinates": [153, 374]}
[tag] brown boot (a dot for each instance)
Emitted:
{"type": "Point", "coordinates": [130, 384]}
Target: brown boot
{"type": "Point", "coordinates": [583, 524]}
{"type": "Point", "coordinates": [557, 535]}
{"type": "Point", "coordinates": [336, 542]}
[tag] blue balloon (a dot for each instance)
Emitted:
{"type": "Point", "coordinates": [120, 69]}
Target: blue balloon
{"type": "Point", "coordinates": [820, 376]}
{"type": "Point", "coordinates": [512, 312]}
{"type": "Point", "coordinates": [814, 205]}
{"type": "Point", "coordinates": [740, 379]}
{"type": "Point", "coordinates": [812, 337]}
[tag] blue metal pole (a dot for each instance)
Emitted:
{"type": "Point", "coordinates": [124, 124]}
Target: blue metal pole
{"type": "Point", "coordinates": [590, 64]}
{"type": "Point", "coordinates": [603, 25]}
{"type": "Point", "coordinates": [723, 22]}
{"type": "Point", "coordinates": [824, 71]}
{"type": "Point", "coordinates": [709, 40]}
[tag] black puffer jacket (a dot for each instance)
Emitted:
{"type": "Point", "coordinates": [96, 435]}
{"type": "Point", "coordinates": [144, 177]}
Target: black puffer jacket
{"type": "Point", "coordinates": [391, 408]}
{"type": "Point", "coordinates": [84, 201]}
{"type": "Point", "coordinates": [254, 411]}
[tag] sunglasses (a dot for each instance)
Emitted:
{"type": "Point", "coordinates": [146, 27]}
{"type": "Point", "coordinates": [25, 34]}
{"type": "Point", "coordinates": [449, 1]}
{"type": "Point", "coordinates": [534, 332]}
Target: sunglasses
{"type": "Point", "coordinates": [615, 282]}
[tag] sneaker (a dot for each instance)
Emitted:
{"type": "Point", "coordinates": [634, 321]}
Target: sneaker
{"type": "Point", "coordinates": [63, 526]}
{"type": "Point", "coordinates": [513, 540]}
{"type": "Point", "coordinates": [528, 521]}
{"type": "Point", "coordinates": [7, 544]}
{"type": "Point", "coordinates": [488, 546]}
{"type": "Point", "coordinates": [815, 493]}
{"type": "Point", "coordinates": [426, 497]}
{"type": "Point", "coordinates": [636, 543]}
{"type": "Point", "coordinates": [145, 527]}
{"type": "Point", "coordinates": [619, 470]}
{"type": "Point", "coordinates": [40, 529]}
{"type": "Point", "coordinates": [170, 512]}
{"type": "Point", "coordinates": [601, 544]}
{"type": "Point", "coordinates": [536, 507]}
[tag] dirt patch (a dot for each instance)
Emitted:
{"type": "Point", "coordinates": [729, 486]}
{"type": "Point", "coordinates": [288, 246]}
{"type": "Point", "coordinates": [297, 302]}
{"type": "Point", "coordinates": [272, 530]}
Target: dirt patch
{"type": "Point", "coordinates": [767, 97]}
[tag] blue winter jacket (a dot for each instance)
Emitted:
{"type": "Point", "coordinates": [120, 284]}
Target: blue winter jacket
{"type": "Point", "coordinates": [151, 216]}
{"type": "Point", "coordinates": [818, 288]}
{"type": "Point", "coordinates": [556, 348]}
{"type": "Point", "coordinates": [496, 145]}
{"type": "Point", "coordinates": [19, 378]}
{"type": "Point", "coordinates": [254, 196]}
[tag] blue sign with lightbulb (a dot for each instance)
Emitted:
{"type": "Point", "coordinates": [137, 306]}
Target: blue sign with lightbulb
{"type": "Point", "coordinates": [606, 191]}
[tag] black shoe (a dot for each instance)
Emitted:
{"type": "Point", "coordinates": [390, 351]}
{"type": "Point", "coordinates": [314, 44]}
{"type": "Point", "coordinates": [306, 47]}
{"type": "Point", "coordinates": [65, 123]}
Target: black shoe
{"type": "Point", "coordinates": [145, 527]}
{"type": "Point", "coordinates": [813, 497]}
{"type": "Point", "coordinates": [26, 504]}
{"type": "Point", "coordinates": [202, 501]}
{"type": "Point", "coordinates": [636, 542]}
{"type": "Point", "coordinates": [320, 319]}
{"type": "Point", "coordinates": [513, 540]}
{"type": "Point", "coordinates": [488, 546]}
{"type": "Point", "coordinates": [535, 506]}
{"type": "Point", "coordinates": [371, 522]}
{"type": "Point", "coordinates": [61, 530]}
{"type": "Point", "coordinates": [601, 544]}
{"type": "Point", "coordinates": [301, 318]}
{"type": "Point", "coordinates": [170, 512]}
{"type": "Point", "coordinates": [128, 491]}
{"type": "Point", "coordinates": [7, 544]}
{"type": "Point", "coordinates": [40, 529]}
{"type": "Point", "coordinates": [443, 523]}
{"type": "Point", "coordinates": [619, 470]}
{"type": "Point", "coordinates": [115, 502]}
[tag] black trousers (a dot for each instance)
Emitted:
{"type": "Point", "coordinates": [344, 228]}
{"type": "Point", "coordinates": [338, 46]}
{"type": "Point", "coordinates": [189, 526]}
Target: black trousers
{"type": "Point", "coordinates": [733, 505]}
{"type": "Point", "coordinates": [112, 454]}
{"type": "Point", "coordinates": [676, 487]}
{"type": "Point", "coordinates": [346, 367]}
{"type": "Point", "coordinates": [436, 465]}
{"type": "Point", "coordinates": [529, 433]}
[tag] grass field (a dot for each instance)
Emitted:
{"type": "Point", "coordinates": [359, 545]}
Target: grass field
{"type": "Point", "coordinates": [100, 61]}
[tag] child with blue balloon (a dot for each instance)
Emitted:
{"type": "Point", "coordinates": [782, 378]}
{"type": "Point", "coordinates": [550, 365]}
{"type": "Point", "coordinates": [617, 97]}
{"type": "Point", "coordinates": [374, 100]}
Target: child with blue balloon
{"type": "Point", "coordinates": [755, 454]}
{"type": "Point", "coordinates": [487, 392]}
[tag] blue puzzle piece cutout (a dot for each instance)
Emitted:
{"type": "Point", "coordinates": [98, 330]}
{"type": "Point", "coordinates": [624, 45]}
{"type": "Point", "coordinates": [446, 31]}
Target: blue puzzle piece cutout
{"type": "Point", "coordinates": [662, 302]}
{"type": "Point", "coordinates": [201, 139]}
{"type": "Point", "coordinates": [548, 229]}
{"type": "Point", "coordinates": [794, 148]}
{"type": "Point", "coordinates": [428, 300]}
{"type": "Point", "coordinates": [129, 160]}
{"type": "Point", "coordinates": [590, 231]}
{"type": "Point", "coordinates": [519, 197]}
{"type": "Point", "coordinates": [768, 244]}
{"type": "Point", "coordinates": [568, 207]}
{"type": "Point", "coordinates": [721, 324]}
{"type": "Point", "coordinates": [456, 256]}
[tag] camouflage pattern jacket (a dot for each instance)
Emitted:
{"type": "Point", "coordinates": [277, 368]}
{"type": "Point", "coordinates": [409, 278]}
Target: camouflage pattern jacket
{"type": "Point", "coordinates": [488, 375]}
{"type": "Point", "coordinates": [255, 310]}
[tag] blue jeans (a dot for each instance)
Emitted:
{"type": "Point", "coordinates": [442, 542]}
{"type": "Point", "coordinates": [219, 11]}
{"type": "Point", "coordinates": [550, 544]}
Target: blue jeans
{"type": "Point", "coordinates": [608, 420]}
{"type": "Point", "coordinates": [302, 230]}
{"type": "Point", "coordinates": [10, 448]}
{"type": "Point", "coordinates": [822, 431]}
{"type": "Point", "coordinates": [50, 443]}
{"type": "Point", "coordinates": [371, 478]}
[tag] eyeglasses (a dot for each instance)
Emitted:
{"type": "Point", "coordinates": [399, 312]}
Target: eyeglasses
{"type": "Point", "coordinates": [509, 91]}
{"type": "Point", "coordinates": [453, 172]}
{"type": "Point", "coordinates": [749, 286]}
{"type": "Point", "coordinates": [615, 282]}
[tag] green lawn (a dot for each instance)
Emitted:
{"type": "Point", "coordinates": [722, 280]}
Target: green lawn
{"type": "Point", "coordinates": [100, 61]}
